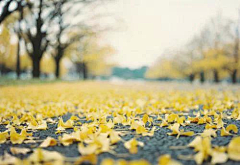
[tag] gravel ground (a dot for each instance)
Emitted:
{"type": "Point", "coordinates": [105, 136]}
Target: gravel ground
{"type": "Point", "coordinates": [154, 146]}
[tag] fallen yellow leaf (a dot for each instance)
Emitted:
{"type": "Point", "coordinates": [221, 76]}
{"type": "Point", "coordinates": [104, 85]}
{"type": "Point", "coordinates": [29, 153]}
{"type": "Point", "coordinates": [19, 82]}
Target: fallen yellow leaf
{"type": "Point", "coordinates": [167, 160]}
{"type": "Point", "coordinates": [3, 136]}
{"type": "Point", "coordinates": [234, 149]}
{"type": "Point", "coordinates": [132, 144]}
{"type": "Point", "coordinates": [17, 150]}
{"type": "Point", "coordinates": [49, 141]}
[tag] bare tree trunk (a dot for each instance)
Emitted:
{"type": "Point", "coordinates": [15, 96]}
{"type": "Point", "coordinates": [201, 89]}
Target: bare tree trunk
{"type": "Point", "coordinates": [191, 77]}
{"type": "Point", "coordinates": [38, 41]}
{"type": "Point", "coordinates": [18, 67]}
{"type": "Point", "coordinates": [234, 76]}
{"type": "Point", "coordinates": [57, 68]}
{"type": "Point", "coordinates": [202, 77]}
{"type": "Point", "coordinates": [36, 68]}
{"type": "Point", "coordinates": [18, 63]}
{"type": "Point", "coordinates": [216, 76]}
{"type": "Point", "coordinates": [85, 72]}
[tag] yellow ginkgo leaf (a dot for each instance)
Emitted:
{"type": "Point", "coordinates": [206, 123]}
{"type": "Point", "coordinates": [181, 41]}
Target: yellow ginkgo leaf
{"type": "Point", "coordinates": [67, 139]}
{"type": "Point", "coordinates": [219, 121]}
{"type": "Point", "coordinates": [196, 143]}
{"type": "Point", "coordinates": [209, 133]}
{"type": "Point", "coordinates": [203, 147]}
{"type": "Point", "coordinates": [136, 124]}
{"type": "Point", "coordinates": [141, 129]}
{"type": "Point", "coordinates": [232, 127]}
{"type": "Point", "coordinates": [62, 126]}
{"type": "Point", "coordinates": [87, 158]}
{"type": "Point", "coordinates": [173, 117]}
{"type": "Point", "coordinates": [3, 136]}
{"type": "Point", "coordinates": [167, 160]}
{"type": "Point", "coordinates": [9, 159]}
{"type": "Point", "coordinates": [42, 126]}
{"type": "Point", "coordinates": [73, 118]}
{"type": "Point", "coordinates": [234, 149]}
{"type": "Point", "coordinates": [114, 137]}
{"type": "Point", "coordinates": [176, 131]}
{"type": "Point", "coordinates": [145, 118]}
{"type": "Point", "coordinates": [17, 150]}
{"type": "Point", "coordinates": [17, 138]}
{"type": "Point", "coordinates": [108, 161]}
{"type": "Point", "coordinates": [218, 157]}
{"type": "Point", "coordinates": [164, 123]}
{"type": "Point", "coordinates": [181, 120]}
{"type": "Point", "coordinates": [151, 133]}
{"type": "Point", "coordinates": [199, 157]}
{"type": "Point", "coordinates": [224, 132]}
{"type": "Point", "coordinates": [40, 155]}
{"type": "Point", "coordinates": [208, 126]}
{"type": "Point", "coordinates": [49, 141]}
{"type": "Point", "coordinates": [122, 162]}
{"type": "Point", "coordinates": [87, 150]}
{"type": "Point", "coordinates": [189, 133]}
{"type": "Point", "coordinates": [132, 145]}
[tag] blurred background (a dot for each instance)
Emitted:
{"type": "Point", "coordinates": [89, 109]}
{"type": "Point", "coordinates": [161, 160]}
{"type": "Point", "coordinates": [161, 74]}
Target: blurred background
{"type": "Point", "coordinates": [188, 41]}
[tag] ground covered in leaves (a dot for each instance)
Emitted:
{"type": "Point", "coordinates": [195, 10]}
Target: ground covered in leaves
{"type": "Point", "coordinates": [132, 123]}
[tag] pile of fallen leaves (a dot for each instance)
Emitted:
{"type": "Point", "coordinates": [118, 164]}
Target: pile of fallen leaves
{"type": "Point", "coordinates": [99, 110]}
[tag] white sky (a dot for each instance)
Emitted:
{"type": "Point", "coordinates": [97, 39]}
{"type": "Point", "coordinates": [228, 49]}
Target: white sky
{"type": "Point", "coordinates": [152, 26]}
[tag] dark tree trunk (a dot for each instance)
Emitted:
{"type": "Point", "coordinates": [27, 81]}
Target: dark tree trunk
{"type": "Point", "coordinates": [57, 68]}
{"type": "Point", "coordinates": [191, 77]}
{"type": "Point", "coordinates": [18, 63]}
{"type": "Point", "coordinates": [85, 72]}
{"type": "Point", "coordinates": [202, 77]}
{"type": "Point", "coordinates": [36, 68]}
{"type": "Point", "coordinates": [216, 76]}
{"type": "Point", "coordinates": [18, 67]}
{"type": "Point", "coordinates": [234, 76]}
{"type": "Point", "coordinates": [38, 42]}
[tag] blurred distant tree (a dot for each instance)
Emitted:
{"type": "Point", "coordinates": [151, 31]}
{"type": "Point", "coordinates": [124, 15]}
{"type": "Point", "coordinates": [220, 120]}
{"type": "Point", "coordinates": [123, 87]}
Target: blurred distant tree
{"type": "Point", "coordinates": [70, 32]}
{"type": "Point", "coordinates": [65, 30]}
{"type": "Point", "coordinates": [12, 14]}
{"type": "Point", "coordinates": [174, 64]}
{"type": "Point", "coordinates": [203, 54]}
{"type": "Point", "coordinates": [7, 48]}
{"type": "Point", "coordinates": [39, 37]}
{"type": "Point", "coordinates": [217, 35]}
{"type": "Point", "coordinates": [215, 50]}
{"type": "Point", "coordinates": [35, 35]}
{"type": "Point", "coordinates": [8, 51]}
{"type": "Point", "coordinates": [48, 66]}
{"type": "Point", "coordinates": [199, 44]}
{"type": "Point", "coordinates": [165, 67]}
{"type": "Point", "coordinates": [91, 58]}
{"type": "Point", "coordinates": [4, 38]}
{"type": "Point", "coordinates": [232, 49]}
